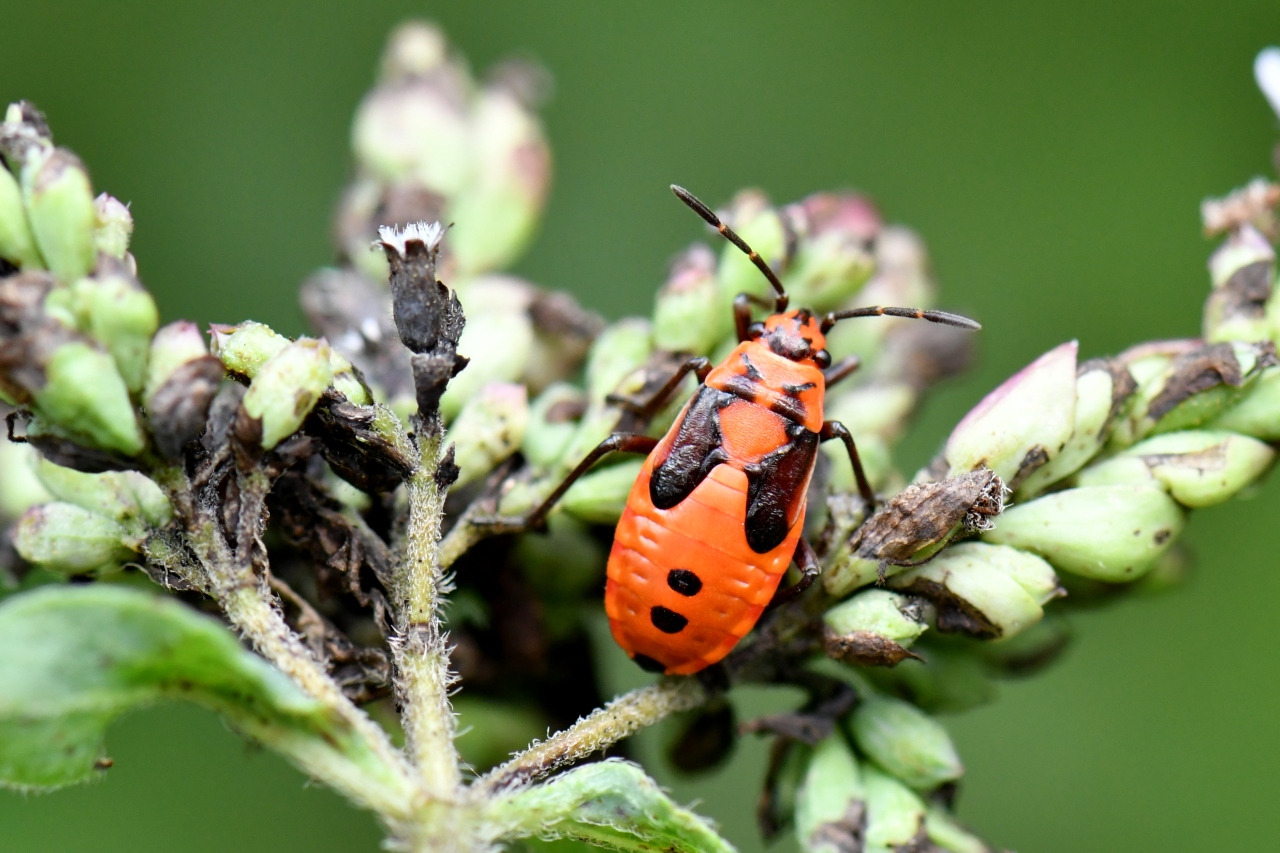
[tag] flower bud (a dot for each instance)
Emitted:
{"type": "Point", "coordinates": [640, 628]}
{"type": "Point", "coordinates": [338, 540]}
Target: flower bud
{"type": "Point", "coordinates": [874, 628]}
{"type": "Point", "coordinates": [17, 244]}
{"type": "Point", "coordinates": [751, 215]}
{"type": "Point", "coordinates": [686, 302]}
{"type": "Point", "coordinates": [1107, 533]}
{"type": "Point", "coordinates": [489, 428]}
{"type": "Point", "coordinates": [182, 379]}
{"type": "Point", "coordinates": [906, 742]}
{"type": "Point", "coordinates": [1101, 388]}
{"type": "Point", "coordinates": [20, 489]}
{"type": "Point", "coordinates": [1198, 467]}
{"type": "Point", "coordinates": [347, 382]}
{"type": "Point", "coordinates": [1257, 413]}
{"type": "Point", "coordinates": [553, 419]}
{"type": "Point", "coordinates": [68, 539]}
{"type": "Point", "coordinates": [173, 346]}
{"type": "Point", "coordinates": [895, 815]}
{"type": "Point", "coordinates": [830, 814]}
{"type": "Point", "coordinates": [983, 590]}
{"type": "Point", "coordinates": [61, 211]}
{"type": "Point", "coordinates": [1243, 274]}
{"type": "Point", "coordinates": [114, 226]}
{"type": "Point", "coordinates": [121, 315]}
{"type": "Point", "coordinates": [414, 49]}
{"type": "Point", "coordinates": [833, 255]}
{"type": "Point", "coordinates": [416, 130]}
{"type": "Point", "coordinates": [287, 387]}
{"type": "Point", "coordinates": [947, 833]}
{"type": "Point", "coordinates": [1022, 424]}
{"type": "Point", "coordinates": [498, 338]}
{"type": "Point", "coordinates": [245, 348]}
{"type": "Point", "coordinates": [130, 498]}
{"type": "Point", "coordinates": [85, 395]}
{"type": "Point", "coordinates": [601, 496]}
{"type": "Point", "coordinates": [496, 212]}
{"type": "Point", "coordinates": [619, 351]}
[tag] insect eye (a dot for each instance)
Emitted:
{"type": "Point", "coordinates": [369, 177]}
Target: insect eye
{"type": "Point", "coordinates": [822, 358]}
{"type": "Point", "coordinates": [755, 330]}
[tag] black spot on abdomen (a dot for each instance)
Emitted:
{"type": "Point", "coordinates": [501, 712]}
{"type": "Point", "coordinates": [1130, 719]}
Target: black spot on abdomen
{"type": "Point", "coordinates": [667, 621]}
{"type": "Point", "coordinates": [648, 664]}
{"type": "Point", "coordinates": [684, 581]}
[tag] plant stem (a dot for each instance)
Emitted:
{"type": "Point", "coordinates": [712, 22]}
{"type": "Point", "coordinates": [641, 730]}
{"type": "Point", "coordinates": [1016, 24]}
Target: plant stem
{"type": "Point", "coordinates": [604, 727]}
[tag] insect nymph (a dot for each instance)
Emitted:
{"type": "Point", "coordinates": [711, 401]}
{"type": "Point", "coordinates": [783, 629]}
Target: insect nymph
{"type": "Point", "coordinates": [715, 518]}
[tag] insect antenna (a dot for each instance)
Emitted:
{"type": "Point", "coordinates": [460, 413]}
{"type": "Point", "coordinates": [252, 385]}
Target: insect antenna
{"type": "Point", "coordinates": [706, 213]}
{"type": "Point", "coordinates": [911, 313]}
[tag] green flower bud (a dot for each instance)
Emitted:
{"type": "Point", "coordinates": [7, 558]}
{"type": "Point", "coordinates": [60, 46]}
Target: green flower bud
{"type": "Point", "coordinates": [118, 313]}
{"type": "Point", "coordinates": [684, 303]}
{"type": "Point", "coordinates": [906, 742]}
{"type": "Point", "coordinates": [761, 226]}
{"type": "Point", "coordinates": [833, 258]}
{"type": "Point", "coordinates": [173, 346]}
{"type": "Point", "coordinates": [553, 419]}
{"type": "Point", "coordinates": [414, 49]}
{"type": "Point", "coordinates": [61, 211]}
{"type": "Point", "coordinates": [895, 815]}
{"type": "Point", "coordinates": [85, 394]}
{"type": "Point", "coordinates": [20, 489]}
{"type": "Point", "coordinates": [17, 244]}
{"type": "Point", "coordinates": [830, 810]}
{"type": "Point", "coordinates": [601, 496]}
{"type": "Point", "coordinates": [944, 831]}
{"type": "Point", "coordinates": [67, 539]}
{"type": "Point", "coordinates": [1197, 409]}
{"type": "Point", "coordinates": [245, 348]}
{"type": "Point", "coordinates": [874, 627]}
{"type": "Point", "coordinates": [496, 212]}
{"type": "Point", "coordinates": [1198, 467]}
{"type": "Point", "coordinates": [1022, 424]}
{"type": "Point", "coordinates": [1108, 533]}
{"type": "Point", "coordinates": [498, 337]}
{"type": "Point", "coordinates": [347, 382]}
{"type": "Point", "coordinates": [1243, 274]}
{"type": "Point", "coordinates": [620, 350]}
{"type": "Point", "coordinates": [1257, 413]}
{"type": "Point", "coordinates": [489, 428]}
{"type": "Point", "coordinates": [114, 226]}
{"type": "Point", "coordinates": [128, 497]}
{"type": "Point", "coordinates": [983, 590]}
{"type": "Point", "coordinates": [1100, 388]}
{"type": "Point", "coordinates": [416, 131]}
{"type": "Point", "coordinates": [287, 387]}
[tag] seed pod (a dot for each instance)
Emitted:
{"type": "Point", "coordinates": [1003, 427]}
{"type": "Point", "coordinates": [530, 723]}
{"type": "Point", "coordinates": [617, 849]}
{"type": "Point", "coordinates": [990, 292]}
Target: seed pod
{"type": "Point", "coordinates": [601, 496]}
{"type": "Point", "coordinates": [60, 209]}
{"type": "Point", "coordinates": [874, 628]}
{"type": "Point", "coordinates": [130, 498]}
{"type": "Point", "coordinates": [496, 211]}
{"type": "Point", "coordinates": [1108, 533]}
{"type": "Point", "coordinates": [121, 315]}
{"type": "Point", "coordinates": [67, 539]}
{"type": "Point", "coordinates": [1102, 388]}
{"type": "Point", "coordinates": [946, 832]}
{"type": "Point", "coordinates": [114, 226]}
{"type": "Point", "coordinates": [553, 419]}
{"type": "Point", "coordinates": [684, 303]}
{"type": "Point", "coordinates": [85, 394]}
{"type": "Point", "coordinates": [833, 253]}
{"type": "Point", "coordinates": [17, 244]}
{"type": "Point", "coordinates": [1198, 467]}
{"type": "Point", "coordinates": [619, 351]}
{"type": "Point", "coordinates": [287, 387]}
{"type": "Point", "coordinates": [830, 811]}
{"type": "Point", "coordinates": [246, 347]}
{"type": "Point", "coordinates": [906, 742]}
{"type": "Point", "coordinates": [489, 428]}
{"type": "Point", "coordinates": [1021, 425]}
{"type": "Point", "coordinates": [895, 815]}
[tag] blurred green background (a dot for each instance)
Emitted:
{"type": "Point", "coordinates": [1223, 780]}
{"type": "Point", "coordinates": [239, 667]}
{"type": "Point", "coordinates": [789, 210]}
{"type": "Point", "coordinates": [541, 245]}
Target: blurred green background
{"type": "Point", "coordinates": [1053, 156]}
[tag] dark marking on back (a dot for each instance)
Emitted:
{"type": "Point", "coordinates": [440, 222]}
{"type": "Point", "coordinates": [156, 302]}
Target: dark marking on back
{"type": "Point", "coordinates": [684, 581]}
{"type": "Point", "coordinates": [775, 489]}
{"type": "Point", "coordinates": [667, 621]}
{"type": "Point", "coordinates": [790, 408]}
{"type": "Point", "coordinates": [648, 664]}
{"type": "Point", "coordinates": [694, 452]}
{"type": "Point", "coordinates": [797, 390]}
{"type": "Point", "coordinates": [752, 372]}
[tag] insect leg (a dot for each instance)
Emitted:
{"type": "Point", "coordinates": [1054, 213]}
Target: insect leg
{"type": "Point", "coordinates": [810, 568]}
{"type": "Point", "coordinates": [835, 429]}
{"type": "Point", "coordinates": [742, 313]}
{"type": "Point", "coordinates": [619, 442]}
{"type": "Point", "coordinates": [841, 369]}
{"type": "Point", "coordinates": [647, 408]}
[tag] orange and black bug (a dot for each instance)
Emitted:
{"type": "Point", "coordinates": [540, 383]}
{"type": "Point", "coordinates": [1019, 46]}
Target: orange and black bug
{"type": "Point", "coordinates": [715, 518]}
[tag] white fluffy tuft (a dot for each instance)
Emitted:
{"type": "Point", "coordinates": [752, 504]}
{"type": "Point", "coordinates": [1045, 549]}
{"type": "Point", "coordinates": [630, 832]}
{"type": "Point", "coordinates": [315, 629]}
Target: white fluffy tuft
{"type": "Point", "coordinates": [428, 233]}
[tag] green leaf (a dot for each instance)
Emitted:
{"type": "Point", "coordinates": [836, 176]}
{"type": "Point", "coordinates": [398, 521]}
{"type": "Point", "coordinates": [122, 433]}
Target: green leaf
{"type": "Point", "coordinates": [610, 804]}
{"type": "Point", "coordinates": [73, 658]}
